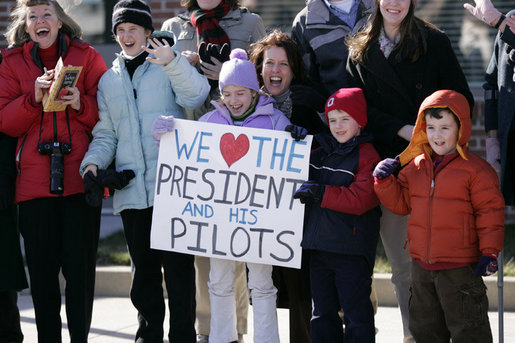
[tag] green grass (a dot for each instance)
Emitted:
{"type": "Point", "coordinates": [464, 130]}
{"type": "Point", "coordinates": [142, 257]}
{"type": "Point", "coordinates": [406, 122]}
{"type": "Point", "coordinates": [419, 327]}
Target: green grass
{"type": "Point", "coordinates": [112, 250]}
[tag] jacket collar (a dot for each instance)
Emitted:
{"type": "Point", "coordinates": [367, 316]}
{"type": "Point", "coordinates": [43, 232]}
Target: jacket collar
{"type": "Point", "coordinates": [31, 48]}
{"type": "Point", "coordinates": [264, 107]}
{"type": "Point", "coordinates": [330, 145]}
{"type": "Point", "coordinates": [319, 16]}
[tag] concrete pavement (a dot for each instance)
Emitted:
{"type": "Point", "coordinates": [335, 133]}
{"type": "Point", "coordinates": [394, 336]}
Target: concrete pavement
{"type": "Point", "coordinates": [114, 321]}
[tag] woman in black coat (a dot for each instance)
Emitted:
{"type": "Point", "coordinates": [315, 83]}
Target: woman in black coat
{"type": "Point", "coordinates": [398, 60]}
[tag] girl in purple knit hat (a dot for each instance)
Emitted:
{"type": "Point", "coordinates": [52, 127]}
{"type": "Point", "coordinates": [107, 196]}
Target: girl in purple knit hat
{"type": "Point", "coordinates": [241, 104]}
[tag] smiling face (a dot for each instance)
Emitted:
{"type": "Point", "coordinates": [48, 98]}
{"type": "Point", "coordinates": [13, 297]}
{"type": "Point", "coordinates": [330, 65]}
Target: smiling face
{"type": "Point", "coordinates": [237, 99]}
{"type": "Point", "coordinates": [342, 126]}
{"type": "Point", "coordinates": [393, 12]}
{"type": "Point", "coordinates": [207, 5]}
{"type": "Point", "coordinates": [442, 133]}
{"type": "Point", "coordinates": [276, 71]}
{"type": "Point", "coordinates": [131, 37]}
{"type": "Point", "coordinates": [42, 25]}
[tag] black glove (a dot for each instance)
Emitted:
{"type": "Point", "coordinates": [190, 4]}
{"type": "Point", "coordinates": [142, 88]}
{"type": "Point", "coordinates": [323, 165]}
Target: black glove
{"type": "Point", "coordinates": [386, 168]}
{"type": "Point", "coordinates": [297, 132]}
{"type": "Point", "coordinates": [221, 53]}
{"type": "Point", "coordinates": [112, 179]}
{"type": "Point", "coordinates": [94, 191]}
{"type": "Point", "coordinates": [307, 96]}
{"type": "Point", "coordinates": [487, 265]}
{"type": "Point", "coordinates": [6, 192]}
{"type": "Point", "coordinates": [309, 191]}
{"type": "Point", "coordinates": [166, 35]}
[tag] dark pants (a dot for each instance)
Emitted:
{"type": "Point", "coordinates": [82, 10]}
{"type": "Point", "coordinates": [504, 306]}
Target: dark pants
{"type": "Point", "coordinates": [294, 293]}
{"type": "Point", "coordinates": [146, 290]}
{"type": "Point", "coordinates": [448, 304]}
{"type": "Point", "coordinates": [61, 234]}
{"type": "Point", "coordinates": [10, 330]}
{"type": "Point", "coordinates": [341, 281]}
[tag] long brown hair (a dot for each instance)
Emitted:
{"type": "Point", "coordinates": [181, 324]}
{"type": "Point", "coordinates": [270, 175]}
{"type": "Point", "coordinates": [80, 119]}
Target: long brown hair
{"type": "Point", "coordinates": [281, 40]}
{"type": "Point", "coordinates": [410, 30]}
{"type": "Point", "coordinates": [16, 34]}
{"type": "Point", "coordinates": [190, 4]}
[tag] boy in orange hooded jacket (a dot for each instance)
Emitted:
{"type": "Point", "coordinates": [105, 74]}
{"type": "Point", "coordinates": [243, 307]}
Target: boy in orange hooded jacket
{"type": "Point", "coordinates": [456, 224]}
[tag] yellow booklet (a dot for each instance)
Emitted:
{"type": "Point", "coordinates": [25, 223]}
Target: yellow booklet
{"type": "Point", "coordinates": [63, 77]}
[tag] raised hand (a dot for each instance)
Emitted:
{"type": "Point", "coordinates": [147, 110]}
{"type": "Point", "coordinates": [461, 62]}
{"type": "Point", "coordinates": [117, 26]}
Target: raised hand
{"type": "Point", "coordinates": [161, 50]}
{"type": "Point", "coordinates": [485, 11]}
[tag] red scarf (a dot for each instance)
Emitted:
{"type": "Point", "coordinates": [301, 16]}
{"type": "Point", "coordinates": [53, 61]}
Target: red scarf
{"type": "Point", "coordinates": [206, 23]}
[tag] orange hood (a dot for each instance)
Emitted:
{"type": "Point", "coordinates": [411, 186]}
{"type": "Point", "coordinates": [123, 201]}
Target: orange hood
{"type": "Point", "coordinates": [458, 104]}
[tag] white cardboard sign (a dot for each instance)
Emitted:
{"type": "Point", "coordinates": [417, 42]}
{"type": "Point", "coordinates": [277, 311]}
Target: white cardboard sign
{"type": "Point", "coordinates": [225, 191]}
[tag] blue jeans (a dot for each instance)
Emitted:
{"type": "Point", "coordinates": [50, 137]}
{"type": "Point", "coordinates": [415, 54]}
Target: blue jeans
{"type": "Point", "coordinates": [341, 281]}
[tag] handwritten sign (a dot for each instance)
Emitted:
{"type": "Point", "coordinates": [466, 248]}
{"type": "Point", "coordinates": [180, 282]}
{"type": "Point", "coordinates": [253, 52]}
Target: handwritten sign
{"type": "Point", "coordinates": [227, 192]}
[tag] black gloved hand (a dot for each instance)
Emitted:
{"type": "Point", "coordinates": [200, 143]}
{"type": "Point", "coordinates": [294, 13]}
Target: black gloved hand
{"type": "Point", "coordinates": [307, 96]}
{"type": "Point", "coordinates": [94, 191]}
{"type": "Point", "coordinates": [297, 132]}
{"type": "Point", "coordinates": [487, 265]}
{"type": "Point", "coordinates": [386, 168]}
{"type": "Point", "coordinates": [221, 53]}
{"type": "Point", "coordinates": [6, 192]}
{"type": "Point", "coordinates": [309, 191]}
{"type": "Point", "coordinates": [112, 179]}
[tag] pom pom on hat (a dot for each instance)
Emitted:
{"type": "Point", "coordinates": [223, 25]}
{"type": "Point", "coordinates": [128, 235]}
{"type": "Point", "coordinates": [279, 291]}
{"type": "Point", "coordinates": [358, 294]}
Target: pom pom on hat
{"type": "Point", "coordinates": [238, 71]}
{"type": "Point", "coordinates": [351, 101]}
{"type": "Point", "coordinates": [238, 53]}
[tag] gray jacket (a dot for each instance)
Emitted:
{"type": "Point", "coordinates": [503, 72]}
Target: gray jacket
{"type": "Point", "coordinates": [242, 27]}
{"type": "Point", "coordinates": [127, 109]}
{"type": "Point", "coordinates": [321, 39]}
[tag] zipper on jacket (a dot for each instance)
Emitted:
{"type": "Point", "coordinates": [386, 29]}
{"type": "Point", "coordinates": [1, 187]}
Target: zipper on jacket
{"type": "Point", "coordinates": [430, 210]}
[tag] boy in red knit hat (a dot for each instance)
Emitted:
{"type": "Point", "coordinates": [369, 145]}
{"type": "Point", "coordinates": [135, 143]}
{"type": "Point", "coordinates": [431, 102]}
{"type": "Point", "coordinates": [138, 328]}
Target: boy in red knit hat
{"type": "Point", "coordinates": [342, 225]}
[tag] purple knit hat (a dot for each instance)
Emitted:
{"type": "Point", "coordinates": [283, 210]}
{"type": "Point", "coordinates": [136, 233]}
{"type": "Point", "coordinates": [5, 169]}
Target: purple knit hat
{"type": "Point", "coordinates": [238, 71]}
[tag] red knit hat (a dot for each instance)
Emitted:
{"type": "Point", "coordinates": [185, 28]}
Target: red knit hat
{"type": "Point", "coordinates": [350, 100]}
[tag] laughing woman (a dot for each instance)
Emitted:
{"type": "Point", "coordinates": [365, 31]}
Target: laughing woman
{"type": "Point", "coordinates": [60, 230]}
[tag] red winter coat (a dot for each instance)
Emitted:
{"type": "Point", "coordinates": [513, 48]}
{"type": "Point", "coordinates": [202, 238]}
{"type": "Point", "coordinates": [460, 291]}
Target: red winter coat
{"type": "Point", "coordinates": [21, 117]}
{"type": "Point", "coordinates": [456, 215]}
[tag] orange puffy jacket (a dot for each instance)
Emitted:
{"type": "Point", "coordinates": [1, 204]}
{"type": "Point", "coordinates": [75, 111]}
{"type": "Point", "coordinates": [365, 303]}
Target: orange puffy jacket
{"type": "Point", "coordinates": [456, 215]}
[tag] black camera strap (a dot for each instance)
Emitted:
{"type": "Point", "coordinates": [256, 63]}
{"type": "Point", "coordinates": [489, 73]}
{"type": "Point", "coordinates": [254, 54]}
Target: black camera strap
{"type": "Point", "coordinates": [55, 126]}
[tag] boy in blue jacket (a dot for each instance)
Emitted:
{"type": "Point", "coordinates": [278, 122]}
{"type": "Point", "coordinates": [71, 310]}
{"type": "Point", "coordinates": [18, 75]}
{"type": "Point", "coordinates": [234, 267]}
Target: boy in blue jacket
{"type": "Point", "coordinates": [342, 224]}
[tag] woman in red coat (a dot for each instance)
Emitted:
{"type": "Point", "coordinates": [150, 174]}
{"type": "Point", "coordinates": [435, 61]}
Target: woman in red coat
{"type": "Point", "coordinates": [60, 230]}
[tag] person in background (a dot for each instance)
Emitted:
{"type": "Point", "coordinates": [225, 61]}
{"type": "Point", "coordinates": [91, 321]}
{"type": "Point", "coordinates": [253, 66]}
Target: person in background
{"type": "Point", "coordinates": [60, 230]}
{"type": "Point", "coordinates": [234, 27]}
{"type": "Point", "coordinates": [145, 81]}
{"type": "Point", "coordinates": [320, 30]}
{"type": "Point", "coordinates": [342, 226]}
{"type": "Point", "coordinates": [398, 60]}
{"type": "Point", "coordinates": [207, 32]}
{"type": "Point", "coordinates": [11, 260]}
{"type": "Point", "coordinates": [499, 98]}
{"type": "Point", "coordinates": [456, 223]}
{"type": "Point", "coordinates": [281, 74]}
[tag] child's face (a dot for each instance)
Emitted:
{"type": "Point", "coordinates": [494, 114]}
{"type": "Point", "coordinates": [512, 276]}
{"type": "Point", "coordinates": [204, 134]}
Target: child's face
{"type": "Point", "coordinates": [442, 133]}
{"type": "Point", "coordinates": [343, 127]}
{"type": "Point", "coordinates": [237, 99]}
{"type": "Point", "coordinates": [131, 37]}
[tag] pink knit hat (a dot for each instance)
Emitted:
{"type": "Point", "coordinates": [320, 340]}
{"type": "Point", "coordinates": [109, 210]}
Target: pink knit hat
{"type": "Point", "coordinates": [238, 71]}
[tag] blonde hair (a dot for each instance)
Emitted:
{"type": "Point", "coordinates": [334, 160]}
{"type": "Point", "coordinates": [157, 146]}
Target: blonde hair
{"type": "Point", "coordinates": [16, 34]}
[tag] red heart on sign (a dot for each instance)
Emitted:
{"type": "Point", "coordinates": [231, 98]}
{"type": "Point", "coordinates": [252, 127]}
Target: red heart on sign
{"type": "Point", "coordinates": [233, 149]}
